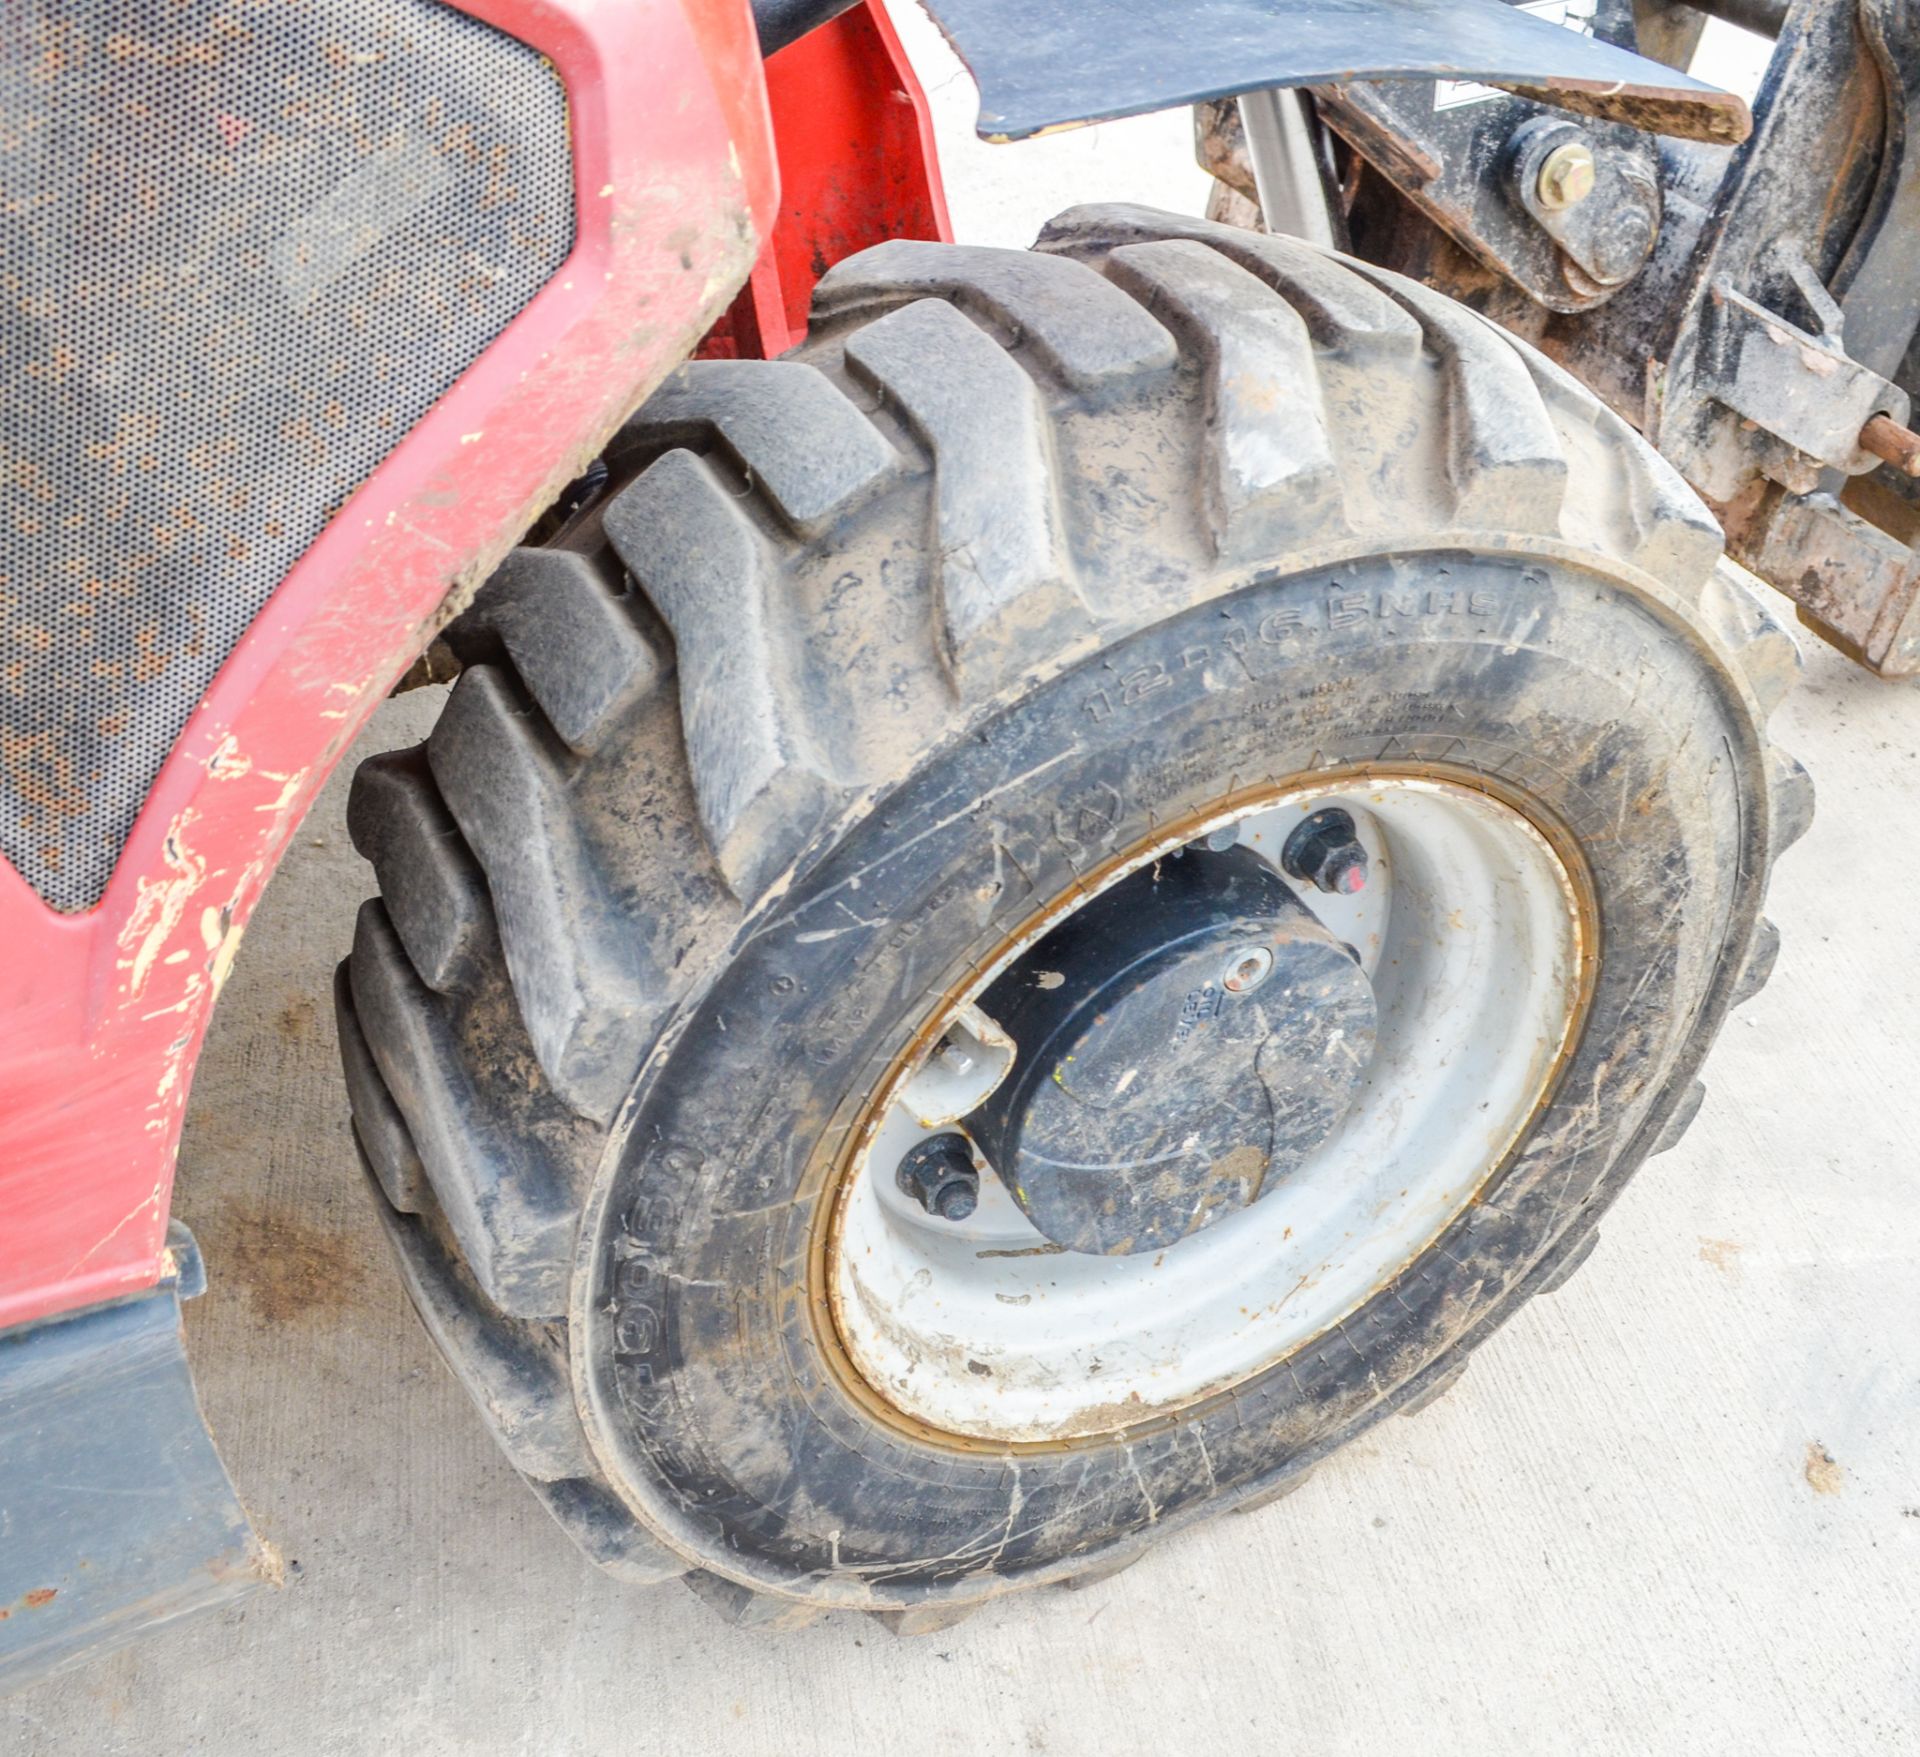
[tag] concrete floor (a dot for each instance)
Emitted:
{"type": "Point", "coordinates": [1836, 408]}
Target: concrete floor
{"type": "Point", "coordinates": [1674, 1508]}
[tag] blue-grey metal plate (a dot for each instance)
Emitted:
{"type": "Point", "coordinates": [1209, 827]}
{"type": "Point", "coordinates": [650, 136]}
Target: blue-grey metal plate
{"type": "Point", "coordinates": [1044, 66]}
{"type": "Point", "coordinates": [115, 1511]}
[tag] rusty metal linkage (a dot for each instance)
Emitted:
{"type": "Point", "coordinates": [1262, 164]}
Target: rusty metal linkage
{"type": "Point", "coordinates": [1892, 444]}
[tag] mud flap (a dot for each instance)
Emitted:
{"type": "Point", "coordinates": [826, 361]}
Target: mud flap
{"type": "Point", "coordinates": [115, 1511]}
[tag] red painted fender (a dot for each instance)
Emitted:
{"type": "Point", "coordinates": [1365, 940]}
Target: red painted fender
{"type": "Point", "coordinates": [102, 1014]}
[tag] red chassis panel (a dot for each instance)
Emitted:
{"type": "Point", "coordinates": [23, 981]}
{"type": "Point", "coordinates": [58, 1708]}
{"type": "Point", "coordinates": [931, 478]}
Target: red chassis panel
{"type": "Point", "coordinates": [857, 165]}
{"type": "Point", "coordinates": [102, 1014]}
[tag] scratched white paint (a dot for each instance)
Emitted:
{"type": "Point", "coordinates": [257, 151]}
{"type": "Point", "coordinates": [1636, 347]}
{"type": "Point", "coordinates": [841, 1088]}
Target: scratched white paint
{"type": "Point", "coordinates": [161, 904]}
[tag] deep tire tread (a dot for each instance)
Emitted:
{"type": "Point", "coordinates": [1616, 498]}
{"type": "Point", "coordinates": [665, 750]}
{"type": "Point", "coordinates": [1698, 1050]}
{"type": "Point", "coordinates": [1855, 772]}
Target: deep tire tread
{"type": "Point", "coordinates": [800, 440]}
{"type": "Point", "coordinates": [582, 982]}
{"type": "Point", "coordinates": [1262, 496]}
{"type": "Point", "coordinates": [758, 773]}
{"type": "Point", "coordinates": [379, 1130]}
{"type": "Point", "coordinates": [569, 897]}
{"type": "Point", "coordinates": [1088, 337]}
{"type": "Point", "coordinates": [1002, 572]}
{"type": "Point", "coordinates": [508, 1204]}
{"type": "Point", "coordinates": [435, 892]}
{"type": "Point", "coordinates": [579, 648]}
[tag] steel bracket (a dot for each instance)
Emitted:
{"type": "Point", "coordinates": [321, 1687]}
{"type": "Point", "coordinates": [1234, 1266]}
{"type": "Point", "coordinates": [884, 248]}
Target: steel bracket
{"type": "Point", "coordinates": [1800, 386]}
{"type": "Point", "coordinates": [1856, 585]}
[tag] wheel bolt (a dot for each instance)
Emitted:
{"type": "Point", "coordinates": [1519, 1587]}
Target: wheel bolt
{"type": "Point", "coordinates": [1325, 852]}
{"type": "Point", "coordinates": [939, 1174]}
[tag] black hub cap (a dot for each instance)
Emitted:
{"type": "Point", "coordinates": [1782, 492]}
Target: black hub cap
{"type": "Point", "coordinates": [1185, 1040]}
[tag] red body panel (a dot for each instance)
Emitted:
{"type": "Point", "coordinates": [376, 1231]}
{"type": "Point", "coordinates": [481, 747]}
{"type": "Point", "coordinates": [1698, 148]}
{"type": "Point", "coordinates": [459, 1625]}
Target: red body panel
{"type": "Point", "coordinates": [857, 165]}
{"type": "Point", "coordinates": [102, 1014]}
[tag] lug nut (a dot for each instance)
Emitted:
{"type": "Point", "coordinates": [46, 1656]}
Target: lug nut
{"type": "Point", "coordinates": [1566, 175]}
{"type": "Point", "coordinates": [1324, 851]}
{"type": "Point", "coordinates": [940, 1175]}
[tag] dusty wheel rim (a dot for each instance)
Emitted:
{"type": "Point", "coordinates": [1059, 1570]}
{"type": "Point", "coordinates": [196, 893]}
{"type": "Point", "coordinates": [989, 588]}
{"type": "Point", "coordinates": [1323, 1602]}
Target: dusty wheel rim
{"type": "Point", "coordinates": [1479, 933]}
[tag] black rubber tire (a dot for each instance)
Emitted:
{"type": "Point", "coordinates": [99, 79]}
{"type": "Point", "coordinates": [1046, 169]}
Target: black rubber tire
{"type": "Point", "coordinates": [1020, 556]}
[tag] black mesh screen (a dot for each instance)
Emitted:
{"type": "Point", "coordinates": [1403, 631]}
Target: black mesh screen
{"type": "Point", "coordinates": [243, 247]}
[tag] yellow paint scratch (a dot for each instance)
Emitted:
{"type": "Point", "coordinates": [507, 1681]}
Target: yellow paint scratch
{"type": "Point", "coordinates": [162, 904]}
{"type": "Point", "coordinates": [150, 1203]}
{"type": "Point", "coordinates": [226, 763]}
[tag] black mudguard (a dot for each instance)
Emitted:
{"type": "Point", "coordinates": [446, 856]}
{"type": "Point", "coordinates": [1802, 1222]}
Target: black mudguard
{"type": "Point", "coordinates": [115, 1511]}
{"type": "Point", "coordinates": [1055, 66]}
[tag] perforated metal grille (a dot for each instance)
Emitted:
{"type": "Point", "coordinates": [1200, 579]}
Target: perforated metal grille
{"type": "Point", "coordinates": [243, 247]}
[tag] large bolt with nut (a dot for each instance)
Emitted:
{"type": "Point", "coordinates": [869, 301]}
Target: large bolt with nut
{"type": "Point", "coordinates": [1324, 851]}
{"type": "Point", "coordinates": [940, 1175]}
{"type": "Point", "coordinates": [1566, 176]}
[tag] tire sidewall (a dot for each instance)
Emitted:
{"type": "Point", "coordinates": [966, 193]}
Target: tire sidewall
{"type": "Point", "coordinates": [706, 1390]}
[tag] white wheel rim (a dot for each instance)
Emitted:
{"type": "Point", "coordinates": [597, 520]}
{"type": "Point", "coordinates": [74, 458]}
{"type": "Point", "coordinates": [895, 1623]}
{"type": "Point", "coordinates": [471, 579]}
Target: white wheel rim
{"type": "Point", "coordinates": [1474, 934]}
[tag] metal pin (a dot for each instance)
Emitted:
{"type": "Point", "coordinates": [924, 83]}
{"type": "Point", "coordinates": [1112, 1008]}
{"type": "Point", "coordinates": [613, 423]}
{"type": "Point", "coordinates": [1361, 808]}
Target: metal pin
{"type": "Point", "coordinates": [1892, 444]}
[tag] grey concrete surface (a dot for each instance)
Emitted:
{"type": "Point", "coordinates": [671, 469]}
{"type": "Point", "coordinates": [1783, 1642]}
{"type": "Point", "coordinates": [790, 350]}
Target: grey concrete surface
{"type": "Point", "coordinates": [1675, 1508]}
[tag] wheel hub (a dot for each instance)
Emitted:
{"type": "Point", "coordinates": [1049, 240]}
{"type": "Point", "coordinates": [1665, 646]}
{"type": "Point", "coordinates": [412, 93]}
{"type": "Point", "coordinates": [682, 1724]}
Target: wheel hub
{"type": "Point", "coordinates": [1020, 1323]}
{"type": "Point", "coordinates": [1183, 1041]}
